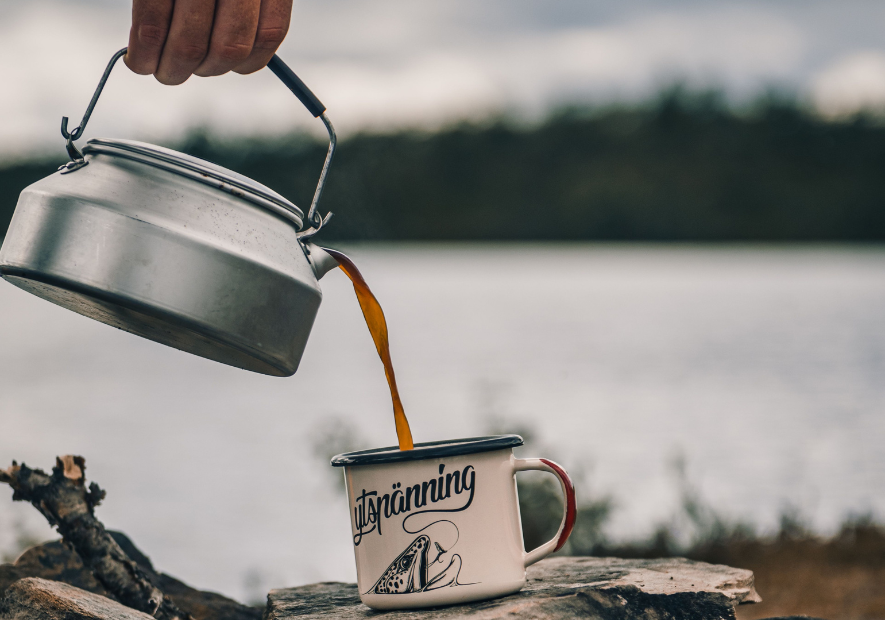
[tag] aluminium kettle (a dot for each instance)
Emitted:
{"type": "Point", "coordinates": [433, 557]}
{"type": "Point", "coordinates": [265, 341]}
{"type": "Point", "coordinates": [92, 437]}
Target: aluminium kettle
{"type": "Point", "coordinates": [173, 248]}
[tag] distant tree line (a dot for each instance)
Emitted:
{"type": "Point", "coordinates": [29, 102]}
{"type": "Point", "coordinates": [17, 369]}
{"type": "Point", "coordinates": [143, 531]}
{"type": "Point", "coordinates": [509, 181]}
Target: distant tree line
{"type": "Point", "coordinates": [685, 167]}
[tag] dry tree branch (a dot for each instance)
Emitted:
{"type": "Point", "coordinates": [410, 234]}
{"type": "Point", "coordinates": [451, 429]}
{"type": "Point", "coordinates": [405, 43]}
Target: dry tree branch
{"type": "Point", "coordinates": [66, 502]}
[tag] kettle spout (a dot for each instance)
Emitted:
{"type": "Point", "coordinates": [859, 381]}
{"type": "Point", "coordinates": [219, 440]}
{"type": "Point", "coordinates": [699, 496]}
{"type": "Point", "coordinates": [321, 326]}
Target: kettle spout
{"type": "Point", "coordinates": [320, 260]}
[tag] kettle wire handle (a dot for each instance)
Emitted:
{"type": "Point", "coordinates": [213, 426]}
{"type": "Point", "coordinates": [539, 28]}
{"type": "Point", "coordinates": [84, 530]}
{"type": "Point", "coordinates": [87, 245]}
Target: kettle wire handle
{"type": "Point", "coordinates": [282, 71]}
{"type": "Point", "coordinates": [316, 107]}
{"type": "Point", "coordinates": [77, 159]}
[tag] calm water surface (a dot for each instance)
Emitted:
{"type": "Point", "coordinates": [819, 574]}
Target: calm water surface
{"type": "Point", "coordinates": [763, 367]}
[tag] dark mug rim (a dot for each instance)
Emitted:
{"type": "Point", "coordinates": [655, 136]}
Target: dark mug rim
{"type": "Point", "coordinates": [427, 450]}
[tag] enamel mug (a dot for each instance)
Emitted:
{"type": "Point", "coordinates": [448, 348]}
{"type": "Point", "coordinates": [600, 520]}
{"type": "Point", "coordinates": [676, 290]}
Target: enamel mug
{"type": "Point", "coordinates": [440, 525]}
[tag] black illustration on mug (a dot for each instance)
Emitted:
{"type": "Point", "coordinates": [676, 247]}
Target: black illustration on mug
{"type": "Point", "coordinates": [411, 570]}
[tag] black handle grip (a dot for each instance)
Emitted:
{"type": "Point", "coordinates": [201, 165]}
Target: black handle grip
{"type": "Point", "coordinates": [294, 83]}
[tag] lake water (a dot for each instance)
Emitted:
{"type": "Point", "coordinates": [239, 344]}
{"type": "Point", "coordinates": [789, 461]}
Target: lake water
{"type": "Point", "coordinates": [764, 368]}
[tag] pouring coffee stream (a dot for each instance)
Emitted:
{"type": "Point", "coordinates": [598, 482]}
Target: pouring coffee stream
{"type": "Point", "coordinates": [377, 325]}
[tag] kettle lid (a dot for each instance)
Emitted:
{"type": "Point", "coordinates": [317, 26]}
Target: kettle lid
{"type": "Point", "coordinates": [196, 169]}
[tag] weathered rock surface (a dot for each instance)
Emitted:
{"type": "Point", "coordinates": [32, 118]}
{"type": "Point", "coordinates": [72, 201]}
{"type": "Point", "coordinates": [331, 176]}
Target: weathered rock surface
{"type": "Point", "coordinates": [42, 599]}
{"type": "Point", "coordinates": [596, 588]}
{"type": "Point", "coordinates": [55, 561]}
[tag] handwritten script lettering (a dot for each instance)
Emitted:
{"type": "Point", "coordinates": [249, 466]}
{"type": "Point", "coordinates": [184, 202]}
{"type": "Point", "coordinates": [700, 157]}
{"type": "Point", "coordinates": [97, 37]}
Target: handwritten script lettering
{"type": "Point", "coordinates": [370, 509]}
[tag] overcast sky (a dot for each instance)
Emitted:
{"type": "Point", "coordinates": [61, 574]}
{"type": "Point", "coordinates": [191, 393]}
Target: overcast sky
{"type": "Point", "coordinates": [387, 63]}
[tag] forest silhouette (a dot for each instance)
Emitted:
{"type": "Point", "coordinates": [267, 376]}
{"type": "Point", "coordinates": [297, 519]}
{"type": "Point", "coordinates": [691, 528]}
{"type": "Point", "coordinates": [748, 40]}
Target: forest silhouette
{"type": "Point", "coordinates": [683, 167]}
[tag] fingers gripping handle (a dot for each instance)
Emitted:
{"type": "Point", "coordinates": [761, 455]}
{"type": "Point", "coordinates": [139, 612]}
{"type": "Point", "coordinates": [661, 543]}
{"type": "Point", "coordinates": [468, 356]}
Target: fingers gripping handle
{"type": "Point", "coordinates": [569, 509]}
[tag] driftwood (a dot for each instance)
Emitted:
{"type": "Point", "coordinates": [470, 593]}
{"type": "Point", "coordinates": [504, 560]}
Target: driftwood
{"type": "Point", "coordinates": [56, 562]}
{"type": "Point", "coordinates": [69, 505]}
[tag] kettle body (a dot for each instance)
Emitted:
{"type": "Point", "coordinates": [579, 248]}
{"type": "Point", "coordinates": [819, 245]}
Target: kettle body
{"type": "Point", "coordinates": [174, 249]}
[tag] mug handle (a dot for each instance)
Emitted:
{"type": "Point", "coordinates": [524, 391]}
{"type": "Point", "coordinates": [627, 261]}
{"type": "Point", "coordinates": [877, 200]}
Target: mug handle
{"type": "Point", "coordinates": [569, 508]}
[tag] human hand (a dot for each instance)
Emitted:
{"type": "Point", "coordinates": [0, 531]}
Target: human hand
{"type": "Point", "coordinates": [174, 39]}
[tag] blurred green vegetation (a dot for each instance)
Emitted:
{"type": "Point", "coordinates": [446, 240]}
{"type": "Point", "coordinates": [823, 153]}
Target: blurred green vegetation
{"type": "Point", "coordinates": [684, 167]}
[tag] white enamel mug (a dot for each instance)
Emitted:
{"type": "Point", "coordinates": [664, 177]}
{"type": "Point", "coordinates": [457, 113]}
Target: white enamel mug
{"type": "Point", "coordinates": [439, 524]}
